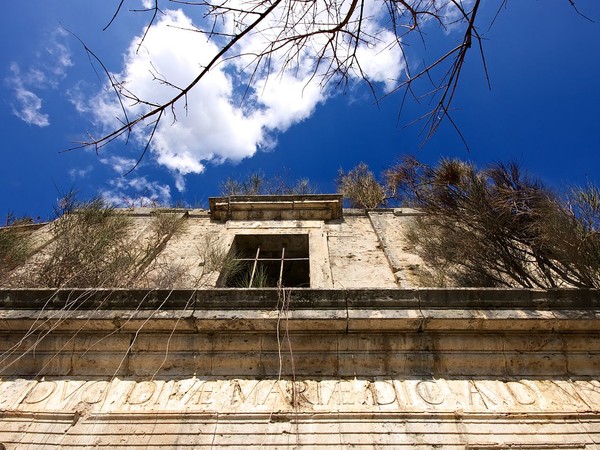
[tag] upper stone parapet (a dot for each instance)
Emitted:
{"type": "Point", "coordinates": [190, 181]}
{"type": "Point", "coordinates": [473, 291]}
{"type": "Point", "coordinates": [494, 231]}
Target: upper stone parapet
{"type": "Point", "coordinates": [276, 207]}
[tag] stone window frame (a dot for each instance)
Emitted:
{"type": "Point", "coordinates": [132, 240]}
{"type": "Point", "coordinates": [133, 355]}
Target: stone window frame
{"type": "Point", "coordinates": [318, 251]}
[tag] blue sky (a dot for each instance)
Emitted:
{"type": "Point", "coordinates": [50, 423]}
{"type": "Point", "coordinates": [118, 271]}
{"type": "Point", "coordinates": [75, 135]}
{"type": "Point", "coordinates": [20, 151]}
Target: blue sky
{"type": "Point", "coordinates": [542, 58]}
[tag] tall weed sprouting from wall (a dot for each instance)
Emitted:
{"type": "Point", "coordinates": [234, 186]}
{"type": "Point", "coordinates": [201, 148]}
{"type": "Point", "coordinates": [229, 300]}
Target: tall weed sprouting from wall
{"type": "Point", "coordinates": [89, 248]}
{"type": "Point", "coordinates": [153, 270]}
{"type": "Point", "coordinates": [499, 227]}
{"type": "Point", "coordinates": [15, 247]}
{"type": "Point", "coordinates": [360, 187]}
{"type": "Point", "coordinates": [94, 245]}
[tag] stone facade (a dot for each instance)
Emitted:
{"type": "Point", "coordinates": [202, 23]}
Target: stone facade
{"type": "Point", "coordinates": [361, 358]}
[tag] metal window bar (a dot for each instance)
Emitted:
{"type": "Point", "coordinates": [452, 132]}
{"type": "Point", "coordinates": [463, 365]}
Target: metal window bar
{"type": "Point", "coordinates": [280, 281]}
{"type": "Point", "coordinates": [281, 259]}
{"type": "Point", "coordinates": [254, 267]}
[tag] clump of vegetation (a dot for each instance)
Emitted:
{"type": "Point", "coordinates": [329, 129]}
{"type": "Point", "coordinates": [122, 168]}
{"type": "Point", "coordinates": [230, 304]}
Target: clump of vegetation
{"type": "Point", "coordinates": [148, 269]}
{"type": "Point", "coordinates": [89, 247]}
{"type": "Point", "coordinates": [218, 259]}
{"type": "Point", "coordinates": [257, 279]}
{"type": "Point", "coordinates": [92, 245]}
{"type": "Point", "coordinates": [165, 223]}
{"type": "Point", "coordinates": [15, 243]}
{"type": "Point", "coordinates": [258, 183]}
{"type": "Point", "coordinates": [360, 187]}
{"type": "Point", "coordinates": [498, 226]}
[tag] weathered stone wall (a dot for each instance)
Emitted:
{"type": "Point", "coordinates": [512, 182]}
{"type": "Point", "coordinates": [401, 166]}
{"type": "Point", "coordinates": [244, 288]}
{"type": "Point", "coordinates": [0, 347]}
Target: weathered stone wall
{"type": "Point", "coordinates": [358, 360]}
{"type": "Point", "coordinates": [462, 368]}
{"type": "Point", "coordinates": [359, 250]}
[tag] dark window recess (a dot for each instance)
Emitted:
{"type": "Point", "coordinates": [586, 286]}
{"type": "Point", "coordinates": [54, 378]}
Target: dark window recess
{"type": "Point", "coordinates": [267, 260]}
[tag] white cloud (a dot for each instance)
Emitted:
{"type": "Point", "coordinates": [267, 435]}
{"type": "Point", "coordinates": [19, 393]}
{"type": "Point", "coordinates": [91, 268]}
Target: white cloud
{"type": "Point", "coordinates": [53, 63]}
{"type": "Point", "coordinates": [59, 53]}
{"type": "Point", "coordinates": [28, 106]}
{"type": "Point", "coordinates": [287, 100]}
{"type": "Point", "coordinates": [212, 129]}
{"type": "Point", "coordinates": [78, 98]}
{"type": "Point", "coordinates": [119, 164]}
{"type": "Point", "coordinates": [212, 125]}
{"type": "Point", "coordinates": [80, 173]}
{"type": "Point", "coordinates": [137, 192]}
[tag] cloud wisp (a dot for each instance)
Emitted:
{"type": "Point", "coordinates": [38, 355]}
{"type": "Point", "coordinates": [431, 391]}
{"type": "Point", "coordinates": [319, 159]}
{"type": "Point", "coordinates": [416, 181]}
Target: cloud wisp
{"type": "Point", "coordinates": [27, 104]}
{"type": "Point", "coordinates": [136, 192]}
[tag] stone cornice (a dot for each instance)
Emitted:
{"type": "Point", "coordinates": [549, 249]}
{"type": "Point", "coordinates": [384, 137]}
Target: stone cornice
{"type": "Point", "coordinates": [308, 310]}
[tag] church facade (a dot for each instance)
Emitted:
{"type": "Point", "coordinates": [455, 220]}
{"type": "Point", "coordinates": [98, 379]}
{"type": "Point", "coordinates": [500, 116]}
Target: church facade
{"type": "Point", "coordinates": [288, 322]}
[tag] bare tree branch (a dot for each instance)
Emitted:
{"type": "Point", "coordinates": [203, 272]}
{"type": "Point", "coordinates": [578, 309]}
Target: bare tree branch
{"type": "Point", "coordinates": [333, 32]}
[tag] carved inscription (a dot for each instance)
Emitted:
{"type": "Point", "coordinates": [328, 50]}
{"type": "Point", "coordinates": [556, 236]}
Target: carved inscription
{"type": "Point", "coordinates": [231, 395]}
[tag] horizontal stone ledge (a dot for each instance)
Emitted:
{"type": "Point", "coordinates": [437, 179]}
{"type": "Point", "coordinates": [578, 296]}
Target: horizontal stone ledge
{"type": "Point", "coordinates": [307, 299]}
{"type": "Point", "coordinates": [324, 320]}
{"type": "Point", "coordinates": [417, 415]}
{"type": "Point", "coordinates": [366, 344]}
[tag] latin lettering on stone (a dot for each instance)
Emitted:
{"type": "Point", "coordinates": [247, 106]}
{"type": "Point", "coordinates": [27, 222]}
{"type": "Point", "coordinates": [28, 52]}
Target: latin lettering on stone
{"type": "Point", "coordinates": [429, 392]}
{"type": "Point", "coordinates": [247, 395]}
{"type": "Point", "coordinates": [521, 393]}
{"type": "Point", "coordinates": [39, 392]}
{"type": "Point", "coordinates": [480, 396]}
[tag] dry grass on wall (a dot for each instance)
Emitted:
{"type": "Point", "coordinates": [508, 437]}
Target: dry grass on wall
{"type": "Point", "coordinates": [15, 248]}
{"type": "Point", "coordinates": [89, 249]}
{"type": "Point", "coordinates": [93, 245]}
{"type": "Point", "coordinates": [500, 228]}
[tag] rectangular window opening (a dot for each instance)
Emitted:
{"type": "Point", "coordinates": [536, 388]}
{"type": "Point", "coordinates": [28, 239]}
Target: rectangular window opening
{"type": "Point", "coordinates": [267, 260]}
